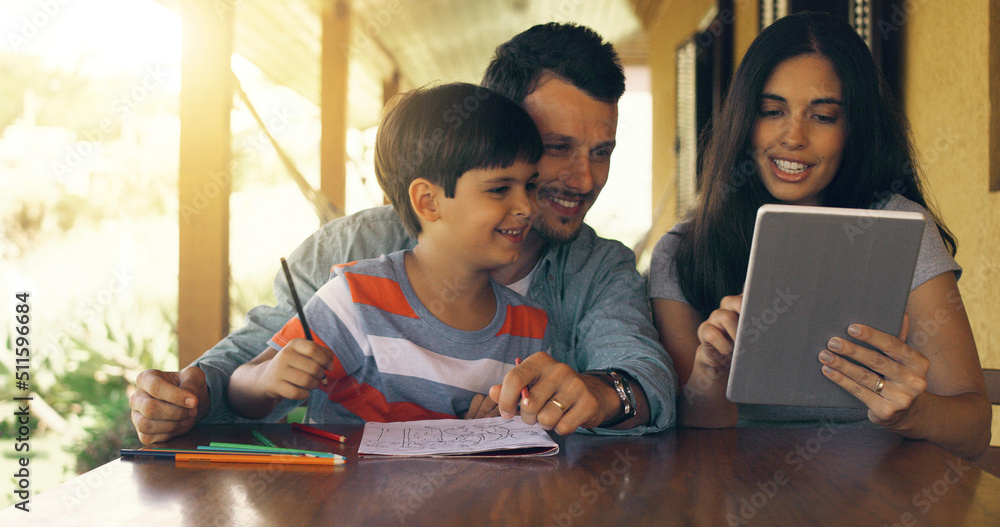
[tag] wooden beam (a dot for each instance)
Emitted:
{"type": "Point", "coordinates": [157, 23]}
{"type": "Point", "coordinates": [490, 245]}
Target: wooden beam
{"type": "Point", "coordinates": [390, 87]}
{"type": "Point", "coordinates": [333, 101]}
{"type": "Point", "coordinates": [204, 178]}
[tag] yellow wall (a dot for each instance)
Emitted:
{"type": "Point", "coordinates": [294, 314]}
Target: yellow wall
{"type": "Point", "coordinates": [746, 28]}
{"type": "Point", "coordinates": [675, 23]}
{"type": "Point", "coordinates": [946, 92]}
{"type": "Point", "coordinates": [994, 65]}
{"type": "Point", "coordinates": [951, 82]}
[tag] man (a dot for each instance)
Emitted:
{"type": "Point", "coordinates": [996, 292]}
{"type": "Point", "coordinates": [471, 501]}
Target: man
{"type": "Point", "coordinates": [607, 369]}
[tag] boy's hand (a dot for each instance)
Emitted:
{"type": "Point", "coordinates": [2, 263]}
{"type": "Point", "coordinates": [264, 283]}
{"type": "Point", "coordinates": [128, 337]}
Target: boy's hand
{"type": "Point", "coordinates": [482, 406]}
{"type": "Point", "coordinates": [294, 371]}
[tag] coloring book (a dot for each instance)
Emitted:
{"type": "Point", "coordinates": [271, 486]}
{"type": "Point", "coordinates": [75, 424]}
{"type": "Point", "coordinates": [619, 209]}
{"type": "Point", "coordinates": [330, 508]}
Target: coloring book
{"type": "Point", "coordinates": [493, 436]}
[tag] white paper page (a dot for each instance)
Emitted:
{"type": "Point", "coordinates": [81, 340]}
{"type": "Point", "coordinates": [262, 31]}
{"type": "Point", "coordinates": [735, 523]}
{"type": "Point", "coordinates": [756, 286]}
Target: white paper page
{"type": "Point", "coordinates": [452, 437]}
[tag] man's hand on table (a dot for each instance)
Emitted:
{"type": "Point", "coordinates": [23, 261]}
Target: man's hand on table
{"type": "Point", "coordinates": [166, 404]}
{"type": "Point", "coordinates": [559, 398]}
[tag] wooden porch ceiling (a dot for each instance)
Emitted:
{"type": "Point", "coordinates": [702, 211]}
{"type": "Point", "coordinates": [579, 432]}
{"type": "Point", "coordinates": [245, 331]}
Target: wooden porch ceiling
{"type": "Point", "coordinates": [423, 40]}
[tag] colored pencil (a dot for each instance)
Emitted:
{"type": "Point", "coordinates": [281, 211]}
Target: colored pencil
{"type": "Point", "coordinates": [235, 447]}
{"type": "Point", "coordinates": [316, 431]}
{"type": "Point", "coordinates": [524, 390]}
{"type": "Point", "coordinates": [295, 299]}
{"type": "Point", "coordinates": [221, 457]}
{"type": "Point", "coordinates": [263, 440]}
{"type": "Point", "coordinates": [218, 448]}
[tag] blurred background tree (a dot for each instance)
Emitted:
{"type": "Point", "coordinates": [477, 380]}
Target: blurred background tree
{"type": "Point", "coordinates": [89, 147]}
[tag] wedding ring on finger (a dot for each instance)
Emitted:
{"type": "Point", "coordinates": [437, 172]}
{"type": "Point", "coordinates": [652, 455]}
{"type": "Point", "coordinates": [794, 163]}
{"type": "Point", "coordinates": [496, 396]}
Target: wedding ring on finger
{"type": "Point", "coordinates": [558, 404]}
{"type": "Point", "coordinates": [879, 384]}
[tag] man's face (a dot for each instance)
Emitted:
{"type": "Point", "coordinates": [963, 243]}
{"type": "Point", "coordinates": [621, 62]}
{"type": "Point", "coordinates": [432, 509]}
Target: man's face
{"type": "Point", "coordinates": [578, 134]}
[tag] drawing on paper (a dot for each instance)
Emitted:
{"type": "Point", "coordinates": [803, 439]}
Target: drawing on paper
{"type": "Point", "coordinates": [452, 436]}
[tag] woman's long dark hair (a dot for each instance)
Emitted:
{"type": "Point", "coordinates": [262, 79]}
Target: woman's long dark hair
{"type": "Point", "coordinates": [877, 162]}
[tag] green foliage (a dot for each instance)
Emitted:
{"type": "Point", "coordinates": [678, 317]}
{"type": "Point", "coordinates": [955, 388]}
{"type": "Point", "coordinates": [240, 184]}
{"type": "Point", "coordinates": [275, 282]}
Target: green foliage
{"type": "Point", "coordinates": [111, 432]}
{"type": "Point", "coordinates": [110, 355]}
{"type": "Point", "coordinates": [87, 379]}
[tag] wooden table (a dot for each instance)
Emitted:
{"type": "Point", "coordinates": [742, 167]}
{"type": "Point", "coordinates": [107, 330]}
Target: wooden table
{"type": "Point", "coordinates": [818, 476]}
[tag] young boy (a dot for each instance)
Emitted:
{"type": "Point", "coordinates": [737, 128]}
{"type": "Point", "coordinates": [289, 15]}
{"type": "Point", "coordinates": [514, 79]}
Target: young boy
{"type": "Point", "coordinates": [416, 334]}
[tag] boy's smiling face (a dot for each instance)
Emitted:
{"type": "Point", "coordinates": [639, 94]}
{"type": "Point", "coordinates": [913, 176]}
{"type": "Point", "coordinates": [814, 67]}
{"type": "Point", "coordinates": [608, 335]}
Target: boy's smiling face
{"type": "Point", "coordinates": [491, 213]}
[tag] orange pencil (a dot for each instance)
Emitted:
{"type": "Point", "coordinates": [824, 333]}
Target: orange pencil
{"type": "Point", "coordinates": [230, 458]}
{"type": "Point", "coordinates": [256, 458]}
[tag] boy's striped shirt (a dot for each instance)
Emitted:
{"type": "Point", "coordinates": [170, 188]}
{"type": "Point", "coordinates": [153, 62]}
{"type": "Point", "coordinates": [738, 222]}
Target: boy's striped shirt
{"type": "Point", "coordinates": [397, 362]}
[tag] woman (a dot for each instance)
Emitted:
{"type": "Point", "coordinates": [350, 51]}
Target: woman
{"type": "Point", "coordinates": [809, 121]}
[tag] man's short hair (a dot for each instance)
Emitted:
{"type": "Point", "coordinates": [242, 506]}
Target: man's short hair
{"type": "Point", "coordinates": [573, 53]}
{"type": "Point", "coordinates": [439, 133]}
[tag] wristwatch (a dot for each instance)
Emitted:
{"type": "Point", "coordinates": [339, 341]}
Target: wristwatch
{"type": "Point", "coordinates": [624, 391]}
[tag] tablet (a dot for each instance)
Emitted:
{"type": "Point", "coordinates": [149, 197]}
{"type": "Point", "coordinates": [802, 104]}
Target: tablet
{"type": "Point", "coordinates": [812, 272]}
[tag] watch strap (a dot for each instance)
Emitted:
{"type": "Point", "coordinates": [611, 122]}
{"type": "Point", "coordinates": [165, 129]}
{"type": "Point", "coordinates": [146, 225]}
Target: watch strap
{"type": "Point", "coordinates": [619, 382]}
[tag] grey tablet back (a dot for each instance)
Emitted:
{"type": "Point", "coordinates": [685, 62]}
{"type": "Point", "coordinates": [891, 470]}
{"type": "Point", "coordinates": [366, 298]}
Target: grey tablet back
{"type": "Point", "coordinates": [813, 271]}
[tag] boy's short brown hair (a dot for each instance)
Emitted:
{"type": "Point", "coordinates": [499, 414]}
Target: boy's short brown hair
{"type": "Point", "coordinates": [439, 133]}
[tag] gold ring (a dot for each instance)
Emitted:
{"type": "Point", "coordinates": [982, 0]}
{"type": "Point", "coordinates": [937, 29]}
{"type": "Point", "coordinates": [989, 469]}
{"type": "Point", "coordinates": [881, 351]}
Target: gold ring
{"type": "Point", "coordinates": [558, 404]}
{"type": "Point", "coordinates": [879, 384]}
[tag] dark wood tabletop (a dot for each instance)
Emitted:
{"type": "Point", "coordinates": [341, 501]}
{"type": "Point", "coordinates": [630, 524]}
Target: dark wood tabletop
{"type": "Point", "coordinates": [750, 476]}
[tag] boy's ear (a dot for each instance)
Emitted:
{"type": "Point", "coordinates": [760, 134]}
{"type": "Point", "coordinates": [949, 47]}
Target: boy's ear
{"type": "Point", "coordinates": [424, 199]}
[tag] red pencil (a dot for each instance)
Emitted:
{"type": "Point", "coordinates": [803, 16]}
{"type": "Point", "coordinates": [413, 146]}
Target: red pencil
{"type": "Point", "coordinates": [316, 431]}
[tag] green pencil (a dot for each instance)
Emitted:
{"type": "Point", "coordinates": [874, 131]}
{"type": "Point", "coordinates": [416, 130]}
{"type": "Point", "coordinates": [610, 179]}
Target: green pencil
{"type": "Point", "coordinates": [277, 450]}
{"type": "Point", "coordinates": [265, 441]}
